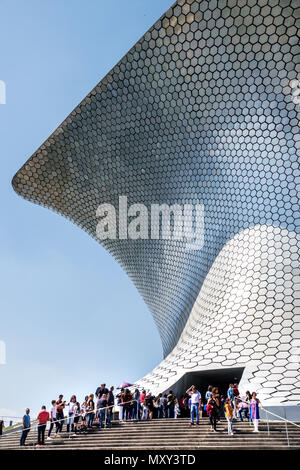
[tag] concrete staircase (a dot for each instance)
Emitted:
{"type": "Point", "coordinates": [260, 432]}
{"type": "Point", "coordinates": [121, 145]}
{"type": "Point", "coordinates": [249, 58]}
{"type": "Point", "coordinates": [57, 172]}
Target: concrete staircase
{"type": "Point", "coordinates": [167, 434]}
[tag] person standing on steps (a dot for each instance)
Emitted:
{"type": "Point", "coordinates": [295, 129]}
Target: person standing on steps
{"type": "Point", "coordinates": [127, 404]}
{"type": "Point", "coordinates": [170, 404]}
{"type": "Point", "coordinates": [182, 406]}
{"type": "Point", "coordinates": [208, 393]}
{"type": "Point", "coordinates": [111, 401]}
{"type": "Point", "coordinates": [60, 405]}
{"type": "Point", "coordinates": [254, 411]}
{"type": "Point", "coordinates": [71, 414]}
{"type": "Point", "coordinates": [83, 409]}
{"type": "Point", "coordinates": [52, 419]}
{"type": "Point", "coordinates": [229, 415]}
{"type": "Point", "coordinates": [149, 405]}
{"type": "Point", "coordinates": [120, 404]}
{"type": "Point", "coordinates": [42, 418]}
{"type": "Point", "coordinates": [216, 395]}
{"type": "Point", "coordinates": [177, 411]}
{"type": "Point", "coordinates": [230, 393]}
{"type": "Point", "coordinates": [136, 404]}
{"type": "Point", "coordinates": [90, 409]}
{"type": "Point", "coordinates": [102, 406]}
{"type": "Point", "coordinates": [236, 400]}
{"type": "Point", "coordinates": [76, 416]}
{"type": "Point", "coordinates": [25, 427]}
{"type": "Point", "coordinates": [195, 403]}
{"type": "Point", "coordinates": [144, 411]}
{"type": "Point", "coordinates": [248, 399]}
{"type": "Point", "coordinates": [212, 413]}
{"type": "Point", "coordinates": [100, 390]}
{"type": "Point", "coordinates": [243, 409]}
{"type": "Point", "coordinates": [164, 401]}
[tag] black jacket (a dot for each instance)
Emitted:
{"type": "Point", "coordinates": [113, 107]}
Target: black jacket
{"type": "Point", "coordinates": [100, 391]}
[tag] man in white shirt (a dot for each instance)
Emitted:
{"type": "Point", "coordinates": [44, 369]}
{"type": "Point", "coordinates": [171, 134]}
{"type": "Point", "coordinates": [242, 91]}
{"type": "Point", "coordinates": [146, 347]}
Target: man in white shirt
{"type": "Point", "coordinates": [52, 419]}
{"type": "Point", "coordinates": [195, 403]}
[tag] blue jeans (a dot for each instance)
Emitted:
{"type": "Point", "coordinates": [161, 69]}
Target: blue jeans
{"type": "Point", "coordinates": [243, 411]}
{"type": "Point", "coordinates": [60, 421]}
{"type": "Point", "coordinates": [52, 421]}
{"type": "Point", "coordinates": [102, 413]}
{"type": "Point", "coordinates": [70, 420]}
{"type": "Point", "coordinates": [160, 412]}
{"type": "Point", "coordinates": [90, 419]}
{"type": "Point", "coordinates": [23, 437]}
{"type": "Point", "coordinates": [195, 409]}
{"type": "Point", "coordinates": [134, 410]}
{"type": "Point", "coordinates": [171, 411]}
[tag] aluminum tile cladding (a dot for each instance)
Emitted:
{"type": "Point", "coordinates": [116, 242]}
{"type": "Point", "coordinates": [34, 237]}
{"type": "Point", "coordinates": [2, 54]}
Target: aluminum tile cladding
{"type": "Point", "coordinates": [204, 109]}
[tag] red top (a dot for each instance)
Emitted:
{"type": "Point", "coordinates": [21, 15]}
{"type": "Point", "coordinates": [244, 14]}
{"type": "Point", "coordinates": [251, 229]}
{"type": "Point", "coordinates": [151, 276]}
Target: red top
{"type": "Point", "coordinates": [142, 397]}
{"type": "Point", "coordinates": [43, 417]}
{"type": "Point", "coordinates": [182, 403]}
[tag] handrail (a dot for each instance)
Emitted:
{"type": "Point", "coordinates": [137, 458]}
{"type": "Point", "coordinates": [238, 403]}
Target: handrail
{"type": "Point", "coordinates": [270, 412]}
{"type": "Point", "coordinates": [285, 421]}
{"type": "Point", "coordinates": [277, 416]}
{"type": "Point", "coordinates": [135, 400]}
{"type": "Point", "coordinates": [66, 417]}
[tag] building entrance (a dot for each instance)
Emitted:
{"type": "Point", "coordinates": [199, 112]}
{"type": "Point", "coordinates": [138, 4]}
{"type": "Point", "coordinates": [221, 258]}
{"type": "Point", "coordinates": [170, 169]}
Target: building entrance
{"type": "Point", "coordinates": [220, 378]}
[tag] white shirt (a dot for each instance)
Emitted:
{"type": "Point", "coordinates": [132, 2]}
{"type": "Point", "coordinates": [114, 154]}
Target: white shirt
{"type": "Point", "coordinates": [53, 411]}
{"type": "Point", "coordinates": [71, 407]}
{"type": "Point", "coordinates": [195, 398]}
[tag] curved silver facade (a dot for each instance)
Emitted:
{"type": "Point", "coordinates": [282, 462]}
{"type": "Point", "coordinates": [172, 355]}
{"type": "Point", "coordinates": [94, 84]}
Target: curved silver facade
{"type": "Point", "coordinates": [203, 109]}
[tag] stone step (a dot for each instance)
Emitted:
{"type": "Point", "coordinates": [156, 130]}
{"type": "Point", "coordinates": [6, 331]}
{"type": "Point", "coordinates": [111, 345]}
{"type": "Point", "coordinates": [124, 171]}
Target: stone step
{"type": "Point", "coordinates": [117, 436]}
{"type": "Point", "coordinates": [167, 448]}
{"type": "Point", "coordinates": [230, 440]}
{"type": "Point", "coordinates": [166, 434]}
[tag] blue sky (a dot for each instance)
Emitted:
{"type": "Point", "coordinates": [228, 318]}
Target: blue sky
{"type": "Point", "coordinates": [70, 316]}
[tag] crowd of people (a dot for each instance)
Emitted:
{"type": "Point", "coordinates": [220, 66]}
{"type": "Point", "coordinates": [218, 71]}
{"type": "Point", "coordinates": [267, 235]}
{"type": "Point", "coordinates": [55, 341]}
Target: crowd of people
{"type": "Point", "coordinates": [97, 409]}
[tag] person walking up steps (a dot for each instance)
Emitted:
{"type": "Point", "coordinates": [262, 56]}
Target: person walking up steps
{"type": "Point", "coordinates": [52, 419]}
